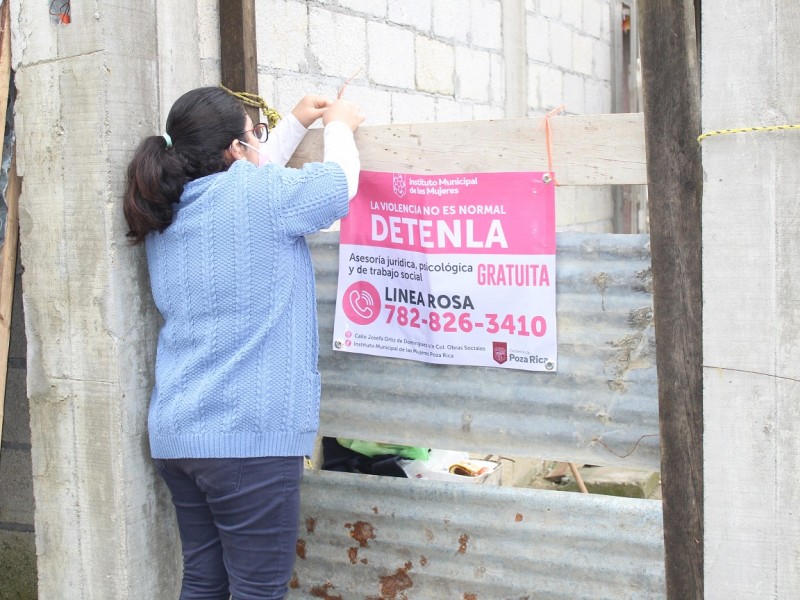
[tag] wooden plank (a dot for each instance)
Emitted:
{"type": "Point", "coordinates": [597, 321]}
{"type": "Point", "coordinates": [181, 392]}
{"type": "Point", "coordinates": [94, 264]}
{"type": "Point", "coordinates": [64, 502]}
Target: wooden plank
{"type": "Point", "coordinates": [8, 257]}
{"type": "Point", "coordinates": [8, 271]}
{"type": "Point", "coordinates": [586, 150]}
{"type": "Point", "coordinates": [238, 54]}
{"type": "Point", "coordinates": [670, 67]}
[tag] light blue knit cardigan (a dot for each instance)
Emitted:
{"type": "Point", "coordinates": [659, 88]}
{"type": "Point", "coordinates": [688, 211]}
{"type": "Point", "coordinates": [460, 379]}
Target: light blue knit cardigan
{"type": "Point", "coordinates": [236, 364]}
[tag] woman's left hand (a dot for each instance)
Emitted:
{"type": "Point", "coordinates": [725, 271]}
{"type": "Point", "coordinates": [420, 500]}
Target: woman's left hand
{"type": "Point", "coordinates": [310, 108]}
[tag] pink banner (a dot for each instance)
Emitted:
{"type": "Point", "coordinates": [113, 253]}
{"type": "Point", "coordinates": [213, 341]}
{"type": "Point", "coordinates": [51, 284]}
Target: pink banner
{"type": "Point", "coordinates": [450, 269]}
{"type": "Point", "coordinates": [452, 214]}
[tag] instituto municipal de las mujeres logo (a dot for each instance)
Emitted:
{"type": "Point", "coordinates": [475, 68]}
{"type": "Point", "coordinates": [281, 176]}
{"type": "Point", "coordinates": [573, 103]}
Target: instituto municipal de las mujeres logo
{"type": "Point", "coordinates": [399, 184]}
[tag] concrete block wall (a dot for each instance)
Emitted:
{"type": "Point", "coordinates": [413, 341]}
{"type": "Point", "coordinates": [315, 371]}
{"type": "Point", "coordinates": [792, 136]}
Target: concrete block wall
{"type": "Point", "coordinates": [447, 60]}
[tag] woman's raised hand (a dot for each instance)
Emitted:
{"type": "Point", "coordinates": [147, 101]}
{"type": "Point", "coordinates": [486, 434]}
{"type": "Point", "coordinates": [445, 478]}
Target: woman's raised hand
{"type": "Point", "coordinates": [346, 111]}
{"type": "Point", "coordinates": [310, 108]}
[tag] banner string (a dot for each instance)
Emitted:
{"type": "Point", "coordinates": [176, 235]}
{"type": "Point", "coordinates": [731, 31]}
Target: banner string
{"type": "Point", "coordinates": [256, 101]}
{"type": "Point", "coordinates": [700, 138]}
{"type": "Point", "coordinates": [548, 135]}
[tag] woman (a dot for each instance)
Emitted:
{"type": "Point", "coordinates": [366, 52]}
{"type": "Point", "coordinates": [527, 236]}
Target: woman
{"type": "Point", "coordinates": [235, 406]}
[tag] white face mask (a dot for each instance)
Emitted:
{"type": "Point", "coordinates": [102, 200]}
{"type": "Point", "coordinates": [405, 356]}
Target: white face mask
{"type": "Point", "coordinates": [263, 157]}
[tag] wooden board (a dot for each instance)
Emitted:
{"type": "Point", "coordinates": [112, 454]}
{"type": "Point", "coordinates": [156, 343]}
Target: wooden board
{"type": "Point", "coordinates": [586, 150]}
{"type": "Point", "coordinates": [8, 256]}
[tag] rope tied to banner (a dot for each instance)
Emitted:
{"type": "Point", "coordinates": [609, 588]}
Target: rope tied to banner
{"type": "Point", "coordinates": [707, 134]}
{"type": "Point", "coordinates": [548, 136]}
{"type": "Point", "coordinates": [272, 115]}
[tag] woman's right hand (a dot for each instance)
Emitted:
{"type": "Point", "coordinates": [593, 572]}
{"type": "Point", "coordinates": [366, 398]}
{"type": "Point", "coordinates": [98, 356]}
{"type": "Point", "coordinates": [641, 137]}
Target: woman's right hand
{"type": "Point", "coordinates": [346, 111]}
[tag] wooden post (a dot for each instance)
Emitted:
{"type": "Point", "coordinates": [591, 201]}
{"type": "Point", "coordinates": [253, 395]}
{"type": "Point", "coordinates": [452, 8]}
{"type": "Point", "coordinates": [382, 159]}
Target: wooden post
{"type": "Point", "coordinates": [8, 255]}
{"type": "Point", "coordinates": [237, 32]}
{"type": "Point", "coordinates": [670, 68]}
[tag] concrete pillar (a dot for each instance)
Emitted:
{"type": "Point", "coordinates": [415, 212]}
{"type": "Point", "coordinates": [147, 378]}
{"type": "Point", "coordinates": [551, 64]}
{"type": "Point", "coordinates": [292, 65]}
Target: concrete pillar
{"type": "Point", "coordinates": [751, 292]}
{"type": "Point", "coordinates": [87, 93]}
{"type": "Point", "coordinates": [515, 54]}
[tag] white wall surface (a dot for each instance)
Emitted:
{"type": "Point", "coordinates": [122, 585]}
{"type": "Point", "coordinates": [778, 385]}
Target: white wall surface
{"type": "Point", "coordinates": [751, 290]}
{"type": "Point", "coordinates": [447, 60]}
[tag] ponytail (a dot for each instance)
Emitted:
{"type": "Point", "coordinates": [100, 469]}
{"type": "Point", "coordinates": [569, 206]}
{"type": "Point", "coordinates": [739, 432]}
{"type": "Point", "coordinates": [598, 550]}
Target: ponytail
{"type": "Point", "coordinates": [156, 176]}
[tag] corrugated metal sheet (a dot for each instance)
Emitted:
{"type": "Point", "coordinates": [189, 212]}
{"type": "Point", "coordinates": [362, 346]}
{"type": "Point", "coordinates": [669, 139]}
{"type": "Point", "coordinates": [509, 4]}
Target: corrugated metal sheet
{"type": "Point", "coordinates": [377, 538]}
{"type": "Point", "coordinates": [600, 408]}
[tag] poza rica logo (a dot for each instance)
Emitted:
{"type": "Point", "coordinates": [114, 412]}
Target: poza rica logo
{"type": "Point", "coordinates": [500, 352]}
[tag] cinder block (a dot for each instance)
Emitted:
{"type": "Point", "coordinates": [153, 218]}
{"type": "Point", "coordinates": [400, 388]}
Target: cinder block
{"type": "Point", "coordinates": [449, 20]}
{"type": "Point", "coordinates": [602, 60]}
{"type": "Point", "coordinates": [592, 18]}
{"type": "Point", "coordinates": [486, 28]}
{"type": "Point", "coordinates": [412, 108]}
{"type": "Point", "coordinates": [375, 8]}
{"type": "Point", "coordinates": [551, 8]}
{"type": "Point", "coordinates": [435, 66]}
{"type": "Point", "coordinates": [583, 49]}
{"type": "Point", "coordinates": [574, 94]}
{"type": "Point", "coordinates": [285, 38]}
{"type": "Point", "coordinates": [473, 71]}
{"type": "Point", "coordinates": [484, 112]}
{"type": "Point", "coordinates": [376, 104]}
{"type": "Point", "coordinates": [538, 39]}
{"type": "Point", "coordinates": [282, 93]}
{"type": "Point", "coordinates": [605, 22]}
{"type": "Point", "coordinates": [561, 49]}
{"type": "Point", "coordinates": [572, 13]}
{"type": "Point", "coordinates": [391, 55]}
{"type": "Point", "coordinates": [448, 109]}
{"type": "Point", "coordinates": [337, 42]}
{"type": "Point", "coordinates": [416, 13]}
{"type": "Point", "coordinates": [598, 97]}
{"type": "Point", "coordinates": [551, 87]}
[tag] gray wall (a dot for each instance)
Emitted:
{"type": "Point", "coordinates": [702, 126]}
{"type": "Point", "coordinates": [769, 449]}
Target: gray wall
{"type": "Point", "coordinates": [751, 292]}
{"type": "Point", "coordinates": [87, 92]}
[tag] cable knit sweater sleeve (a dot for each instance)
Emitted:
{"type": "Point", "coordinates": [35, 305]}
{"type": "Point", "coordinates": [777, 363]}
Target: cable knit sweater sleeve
{"type": "Point", "coordinates": [302, 217]}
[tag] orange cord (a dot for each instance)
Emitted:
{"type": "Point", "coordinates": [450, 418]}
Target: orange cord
{"type": "Point", "coordinates": [548, 135]}
{"type": "Point", "coordinates": [341, 91]}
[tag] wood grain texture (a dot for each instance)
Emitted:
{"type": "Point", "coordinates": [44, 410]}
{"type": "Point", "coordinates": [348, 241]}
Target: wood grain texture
{"type": "Point", "coordinates": [586, 150]}
{"type": "Point", "coordinates": [238, 54]}
{"type": "Point", "coordinates": [671, 78]}
{"type": "Point", "coordinates": [8, 256]}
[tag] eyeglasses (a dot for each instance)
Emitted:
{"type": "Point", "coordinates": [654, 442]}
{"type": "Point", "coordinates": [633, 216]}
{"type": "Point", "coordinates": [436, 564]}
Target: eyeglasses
{"type": "Point", "coordinates": [261, 131]}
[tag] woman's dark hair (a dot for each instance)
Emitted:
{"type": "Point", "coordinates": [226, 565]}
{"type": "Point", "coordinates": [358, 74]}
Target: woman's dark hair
{"type": "Point", "coordinates": [202, 124]}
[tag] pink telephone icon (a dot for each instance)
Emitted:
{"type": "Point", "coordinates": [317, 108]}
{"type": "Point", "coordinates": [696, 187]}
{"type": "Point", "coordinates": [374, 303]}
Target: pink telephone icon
{"type": "Point", "coordinates": [361, 303]}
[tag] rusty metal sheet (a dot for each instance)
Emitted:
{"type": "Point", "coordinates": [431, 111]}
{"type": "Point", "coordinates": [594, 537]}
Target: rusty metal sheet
{"type": "Point", "coordinates": [601, 407]}
{"type": "Point", "coordinates": [380, 538]}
